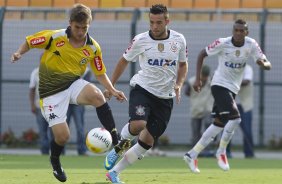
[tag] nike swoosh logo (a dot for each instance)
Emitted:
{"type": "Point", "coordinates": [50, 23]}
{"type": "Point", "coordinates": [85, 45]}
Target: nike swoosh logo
{"type": "Point", "coordinates": [106, 163]}
{"type": "Point", "coordinates": [148, 49]}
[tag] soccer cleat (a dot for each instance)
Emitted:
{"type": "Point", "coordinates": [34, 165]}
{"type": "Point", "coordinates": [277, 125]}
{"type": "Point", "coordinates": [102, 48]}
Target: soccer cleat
{"type": "Point", "coordinates": [115, 153]}
{"type": "Point", "coordinates": [58, 171]}
{"type": "Point", "coordinates": [222, 162]}
{"type": "Point", "coordinates": [192, 163]}
{"type": "Point", "coordinates": [113, 177]}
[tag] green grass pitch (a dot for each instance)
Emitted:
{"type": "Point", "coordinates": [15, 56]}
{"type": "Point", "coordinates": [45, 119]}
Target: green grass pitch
{"type": "Point", "coordinates": [151, 170]}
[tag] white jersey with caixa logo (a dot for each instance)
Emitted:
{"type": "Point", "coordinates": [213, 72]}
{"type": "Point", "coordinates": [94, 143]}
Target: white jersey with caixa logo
{"type": "Point", "coordinates": [232, 61]}
{"type": "Point", "coordinates": [158, 60]}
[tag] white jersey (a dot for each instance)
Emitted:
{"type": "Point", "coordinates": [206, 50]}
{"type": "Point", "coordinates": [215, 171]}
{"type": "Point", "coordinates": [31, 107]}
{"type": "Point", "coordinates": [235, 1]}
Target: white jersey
{"type": "Point", "coordinates": [34, 83]}
{"type": "Point", "coordinates": [158, 60]}
{"type": "Point", "coordinates": [232, 61]}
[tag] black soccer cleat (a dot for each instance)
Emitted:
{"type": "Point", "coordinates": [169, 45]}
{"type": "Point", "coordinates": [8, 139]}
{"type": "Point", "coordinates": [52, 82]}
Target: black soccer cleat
{"type": "Point", "coordinates": [58, 171]}
{"type": "Point", "coordinates": [122, 146]}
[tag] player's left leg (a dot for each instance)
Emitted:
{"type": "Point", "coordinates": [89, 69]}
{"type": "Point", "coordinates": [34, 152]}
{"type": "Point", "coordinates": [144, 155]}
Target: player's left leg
{"type": "Point", "coordinates": [135, 153]}
{"type": "Point", "coordinates": [234, 120]}
{"type": "Point", "coordinates": [208, 136]}
{"type": "Point", "coordinates": [85, 93]}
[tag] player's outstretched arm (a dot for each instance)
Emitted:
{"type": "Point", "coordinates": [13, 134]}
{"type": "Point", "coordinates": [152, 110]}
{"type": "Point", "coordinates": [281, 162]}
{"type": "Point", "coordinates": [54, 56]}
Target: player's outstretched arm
{"type": "Point", "coordinates": [18, 54]}
{"type": "Point", "coordinates": [119, 69]}
{"type": "Point", "coordinates": [181, 76]}
{"type": "Point", "coordinates": [105, 81]}
{"type": "Point", "coordinates": [198, 83]}
{"type": "Point", "coordinates": [264, 64]}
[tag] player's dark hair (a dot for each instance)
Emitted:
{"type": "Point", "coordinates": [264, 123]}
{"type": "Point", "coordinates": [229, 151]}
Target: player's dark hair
{"type": "Point", "coordinates": [242, 22]}
{"type": "Point", "coordinates": [80, 13]}
{"type": "Point", "coordinates": [159, 9]}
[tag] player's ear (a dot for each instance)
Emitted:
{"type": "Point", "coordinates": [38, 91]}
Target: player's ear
{"type": "Point", "coordinates": [247, 32]}
{"type": "Point", "coordinates": [167, 21]}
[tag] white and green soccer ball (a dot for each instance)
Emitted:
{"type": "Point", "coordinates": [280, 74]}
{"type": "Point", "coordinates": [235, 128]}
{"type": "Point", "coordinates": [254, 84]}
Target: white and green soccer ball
{"type": "Point", "coordinates": [98, 140]}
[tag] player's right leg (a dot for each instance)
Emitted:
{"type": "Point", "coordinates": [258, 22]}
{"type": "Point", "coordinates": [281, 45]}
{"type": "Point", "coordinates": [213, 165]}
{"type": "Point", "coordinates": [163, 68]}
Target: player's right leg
{"type": "Point", "coordinates": [54, 109]}
{"type": "Point", "coordinates": [119, 149]}
{"type": "Point", "coordinates": [135, 153]}
{"type": "Point", "coordinates": [208, 136]}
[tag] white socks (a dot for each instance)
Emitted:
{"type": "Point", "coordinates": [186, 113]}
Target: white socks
{"type": "Point", "coordinates": [227, 134]}
{"type": "Point", "coordinates": [135, 153]}
{"type": "Point", "coordinates": [125, 134]}
{"type": "Point", "coordinates": [207, 137]}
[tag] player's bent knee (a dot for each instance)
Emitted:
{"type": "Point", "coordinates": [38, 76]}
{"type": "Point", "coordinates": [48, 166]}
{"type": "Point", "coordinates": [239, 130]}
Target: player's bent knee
{"type": "Point", "coordinates": [96, 98]}
{"type": "Point", "coordinates": [224, 118]}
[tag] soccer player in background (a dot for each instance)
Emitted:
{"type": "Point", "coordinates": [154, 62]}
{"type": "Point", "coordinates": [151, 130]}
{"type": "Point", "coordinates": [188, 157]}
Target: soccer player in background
{"type": "Point", "coordinates": [66, 56]}
{"type": "Point", "coordinates": [45, 135]}
{"type": "Point", "coordinates": [233, 52]}
{"type": "Point", "coordinates": [162, 55]}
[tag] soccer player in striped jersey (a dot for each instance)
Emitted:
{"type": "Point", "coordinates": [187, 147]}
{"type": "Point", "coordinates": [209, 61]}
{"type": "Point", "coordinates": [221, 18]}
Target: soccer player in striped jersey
{"type": "Point", "coordinates": [66, 56]}
{"type": "Point", "coordinates": [233, 52]}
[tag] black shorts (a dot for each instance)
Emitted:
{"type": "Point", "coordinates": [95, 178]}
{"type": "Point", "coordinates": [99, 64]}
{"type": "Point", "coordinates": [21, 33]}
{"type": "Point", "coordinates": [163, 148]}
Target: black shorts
{"type": "Point", "coordinates": [224, 103]}
{"type": "Point", "coordinates": [155, 111]}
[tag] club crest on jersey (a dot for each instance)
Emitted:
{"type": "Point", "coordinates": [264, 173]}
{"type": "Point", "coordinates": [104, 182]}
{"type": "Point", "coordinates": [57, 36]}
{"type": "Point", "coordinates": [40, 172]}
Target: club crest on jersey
{"type": "Point", "coordinates": [237, 53]}
{"type": "Point", "coordinates": [83, 61]}
{"type": "Point", "coordinates": [173, 47]}
{"type": "Point", "coordinates": [140, 110]}
{"type": "Point", "coordinates": [38, 40]}
{"type": "Point", "coordinates": [160, 47]}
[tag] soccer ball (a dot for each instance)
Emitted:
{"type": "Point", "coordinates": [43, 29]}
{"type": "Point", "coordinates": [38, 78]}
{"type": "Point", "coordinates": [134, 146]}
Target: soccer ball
{"type": "Point", "coordinates": [98, 140]}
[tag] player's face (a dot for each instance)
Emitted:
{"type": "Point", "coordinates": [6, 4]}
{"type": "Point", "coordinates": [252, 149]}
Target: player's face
{"type": "Point", "coordinates": [158, 25]}
{"type": "Point", "coordinates": [79, 30]}
{"type": "Point", "coordinates": [239, 33]}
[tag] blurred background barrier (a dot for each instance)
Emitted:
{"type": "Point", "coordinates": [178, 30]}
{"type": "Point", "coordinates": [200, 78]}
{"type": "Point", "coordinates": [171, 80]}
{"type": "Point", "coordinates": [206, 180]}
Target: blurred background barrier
{"type": "Point", "coordinates": [114, 25]}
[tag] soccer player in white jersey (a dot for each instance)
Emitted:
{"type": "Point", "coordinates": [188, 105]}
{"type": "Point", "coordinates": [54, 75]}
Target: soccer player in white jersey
{"type": "Point", "coordinates": [233, 52]}
{"type": "Point", "coordinates": [162, 55]}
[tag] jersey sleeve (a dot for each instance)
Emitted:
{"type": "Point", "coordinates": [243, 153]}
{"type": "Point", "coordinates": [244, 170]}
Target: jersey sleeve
{"type": "Point", "coordinates": [215, 47]}
{"type": "Point", "coordinates": [97, 65]}
{"type": "Point", "coordinates": [40, 39]}
{"type": "Point", "coordinates": [32, 81]}
{"type": "Point", "coordinates": [183, 54]}
{"type": "Point", "coordinates": [133, 50]}
{"type": "Point", "coordinates": [256, 51]}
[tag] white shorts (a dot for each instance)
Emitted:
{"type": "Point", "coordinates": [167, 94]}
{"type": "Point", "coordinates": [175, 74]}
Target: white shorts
{"type": "Point", "coordinates": [54, 108]}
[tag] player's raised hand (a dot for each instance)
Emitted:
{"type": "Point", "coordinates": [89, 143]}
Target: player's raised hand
{"type": "Point", "coordinates": [197, 85]}
{"type": "Point", "coordinates": [15, 57]}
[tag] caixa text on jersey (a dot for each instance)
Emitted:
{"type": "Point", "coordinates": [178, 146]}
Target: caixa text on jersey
{"type": "Point", "coordinates": [161, 62]}
{"type": "Point", "coordinates": [235, 65]}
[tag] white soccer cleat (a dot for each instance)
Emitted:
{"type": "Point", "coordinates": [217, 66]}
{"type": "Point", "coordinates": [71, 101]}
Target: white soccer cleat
{"type": "Point", "coordinates": [192, 163]}
{"type": "Point", "coordinates": [222, 162]}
